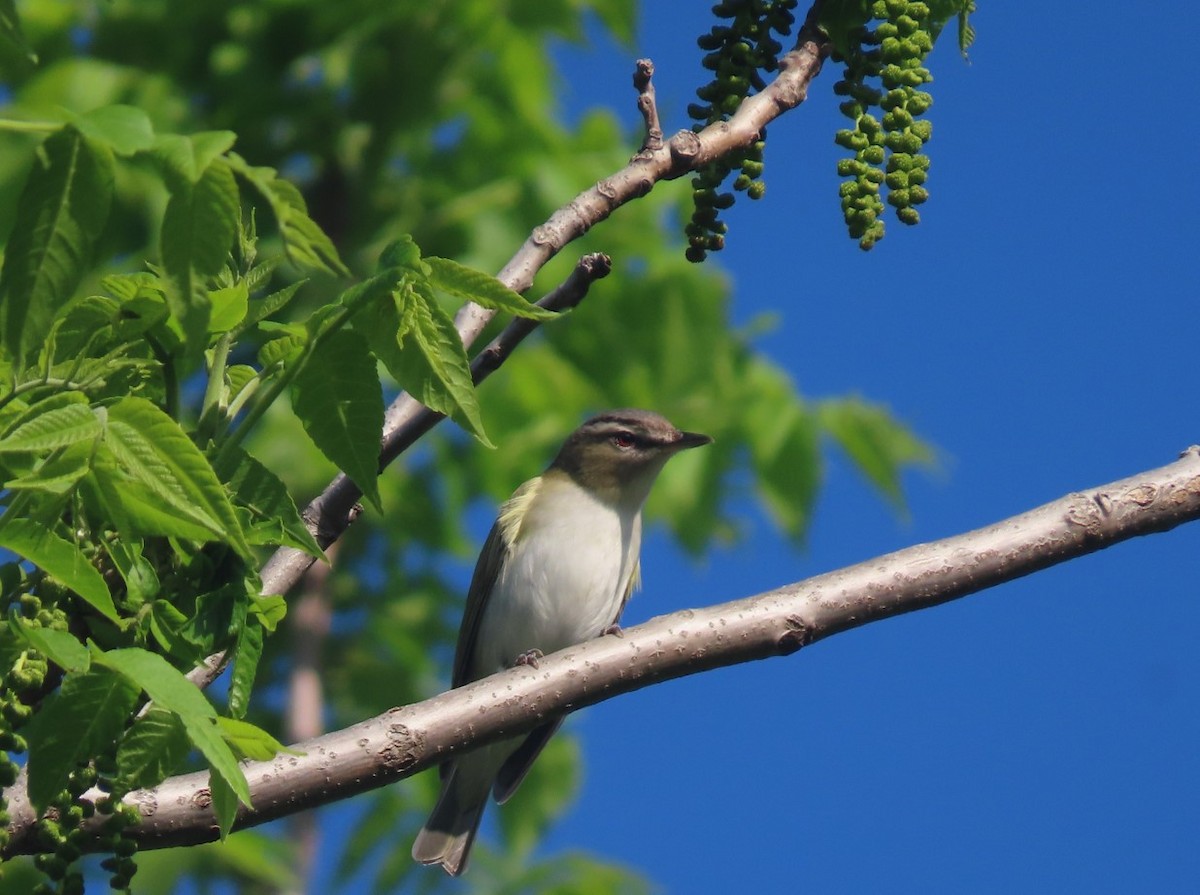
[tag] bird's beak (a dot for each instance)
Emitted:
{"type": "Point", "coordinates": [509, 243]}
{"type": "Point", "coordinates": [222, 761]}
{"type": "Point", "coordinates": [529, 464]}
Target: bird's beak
{"type": "Point", "coordinates": [690, 440]}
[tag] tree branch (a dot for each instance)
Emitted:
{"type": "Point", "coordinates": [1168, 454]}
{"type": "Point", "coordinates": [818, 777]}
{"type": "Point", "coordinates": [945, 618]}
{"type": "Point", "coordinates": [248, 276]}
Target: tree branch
{"type": "Point", "coordinates": [409, 739]}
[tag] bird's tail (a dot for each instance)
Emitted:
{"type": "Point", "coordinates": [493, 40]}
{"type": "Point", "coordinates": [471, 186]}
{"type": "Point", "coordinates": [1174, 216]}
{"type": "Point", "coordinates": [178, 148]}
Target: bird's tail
{"type": "Point", "coordinates": [447, 836]}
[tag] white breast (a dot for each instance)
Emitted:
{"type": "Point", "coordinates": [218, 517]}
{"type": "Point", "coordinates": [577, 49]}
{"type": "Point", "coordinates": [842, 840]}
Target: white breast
{"type": "Point", "coordinates": [565, 579]}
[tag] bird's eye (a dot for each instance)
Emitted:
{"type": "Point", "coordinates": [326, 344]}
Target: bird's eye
{"type": "Point", "coordinates": [623, 440]}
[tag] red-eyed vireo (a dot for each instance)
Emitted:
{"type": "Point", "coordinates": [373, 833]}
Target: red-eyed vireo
{"type": "Point", "coordinates": [556, 570]}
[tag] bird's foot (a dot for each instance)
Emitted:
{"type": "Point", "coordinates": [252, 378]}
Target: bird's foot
{"type": "Point", "coordinates": [614, 629]}
{"type": "Point", "coordinates": [529, 657]}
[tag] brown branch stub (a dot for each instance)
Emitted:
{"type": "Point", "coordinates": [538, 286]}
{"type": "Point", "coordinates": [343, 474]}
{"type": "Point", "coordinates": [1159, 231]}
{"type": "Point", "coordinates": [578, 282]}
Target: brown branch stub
{"type": "Point", "coordinates": [648, 106]}
{"type": "Point", "coordinates": [411, 738]}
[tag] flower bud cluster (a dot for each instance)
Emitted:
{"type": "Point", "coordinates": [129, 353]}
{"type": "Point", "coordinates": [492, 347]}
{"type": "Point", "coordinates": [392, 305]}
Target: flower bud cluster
{"type": "Point", "coordinates": [739, 50]}
{"type": "Point", "coordinates": [884, 71]}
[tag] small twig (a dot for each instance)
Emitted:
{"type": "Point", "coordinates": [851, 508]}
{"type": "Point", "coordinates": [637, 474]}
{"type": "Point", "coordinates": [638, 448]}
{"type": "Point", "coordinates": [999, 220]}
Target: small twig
{"type": "Point", "coordinates": [647, 105]}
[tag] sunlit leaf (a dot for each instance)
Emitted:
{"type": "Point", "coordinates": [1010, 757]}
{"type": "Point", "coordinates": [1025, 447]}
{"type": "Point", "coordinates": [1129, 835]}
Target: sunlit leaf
{"type": "Point", "coordinates": [473, 285]}
{"type": "Point", "coordinates": [60, 647]}
{"type": "Point", "coordinates": [156, 452]}
{"type": "Point", "coordinates": [124, 129]}
{"type": "Point", "coordinates": [60, 558]}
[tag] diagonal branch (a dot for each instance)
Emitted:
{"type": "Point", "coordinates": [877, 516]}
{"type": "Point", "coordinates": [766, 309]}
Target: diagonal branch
{"type": "Point", "coordinates": [411, 738]}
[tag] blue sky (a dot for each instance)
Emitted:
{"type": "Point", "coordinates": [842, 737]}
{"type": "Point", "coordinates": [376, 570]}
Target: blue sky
{"type": "Point", "coordinates": [1038, 737]}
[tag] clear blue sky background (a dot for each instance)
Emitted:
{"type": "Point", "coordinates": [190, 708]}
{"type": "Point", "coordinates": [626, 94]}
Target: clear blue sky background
{"type": "Point", "coordinates": [1039, 737]}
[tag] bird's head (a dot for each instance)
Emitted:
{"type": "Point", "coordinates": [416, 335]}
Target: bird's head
{"type": "Point", "coordinates": [617, 455]}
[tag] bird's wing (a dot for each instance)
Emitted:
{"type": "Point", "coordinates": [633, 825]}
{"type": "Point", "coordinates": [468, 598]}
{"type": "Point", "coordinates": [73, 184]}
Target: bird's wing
{"type": "Point", "coordinates": [517, 765]}
{"type": "Point", "coordinates": [492, 557]}
{"type": "Point", "coordinates": [635, 581]}
{"type": "Point", "coordinates": [487, 568]}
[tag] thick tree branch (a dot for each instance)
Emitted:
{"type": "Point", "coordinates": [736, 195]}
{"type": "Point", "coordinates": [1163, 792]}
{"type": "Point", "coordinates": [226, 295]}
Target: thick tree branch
{"type": "Point", "coordinates": [409, 739]}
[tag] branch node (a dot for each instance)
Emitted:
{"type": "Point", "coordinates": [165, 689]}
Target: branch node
{"type": "Point", "coordinates": [685, 147]}
{"type": "Point", "coordinates": [799, 634]}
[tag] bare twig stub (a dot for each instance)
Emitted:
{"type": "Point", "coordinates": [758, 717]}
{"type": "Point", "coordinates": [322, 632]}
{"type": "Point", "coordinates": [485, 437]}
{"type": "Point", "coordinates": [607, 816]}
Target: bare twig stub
{"type": "Point", "coordinates": [409, 739]}
{"type": "Point", "coordinates": [648, 105]}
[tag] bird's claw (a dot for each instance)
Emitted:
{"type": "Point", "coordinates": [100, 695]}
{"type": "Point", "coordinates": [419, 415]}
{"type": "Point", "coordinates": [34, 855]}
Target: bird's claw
{"type": "Point", "coordinates": [529, 657]}
{"type": "Point", "coordinates": [613, 629]}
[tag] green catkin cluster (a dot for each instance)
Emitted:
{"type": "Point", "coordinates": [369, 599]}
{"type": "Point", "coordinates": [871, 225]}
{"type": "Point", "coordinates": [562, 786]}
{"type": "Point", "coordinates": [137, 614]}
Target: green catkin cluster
{"type": "Point", "coordinates": [884, 70]}
{"type": "Point", "coordinates": [60, 831]}
{"type": "Point", "coordinates": [19, 687]}
{"type": "Point", "coordinates": [738, 53]}
{"type": "Point", "coordinates": [61, 834]}
{"type": "Point", "coordinates": [116, 840]}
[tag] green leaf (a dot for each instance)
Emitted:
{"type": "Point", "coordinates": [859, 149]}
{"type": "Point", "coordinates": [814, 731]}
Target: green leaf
{"type": "Point", "coordinates": [61, 212]}
{"type": "Point", "coordinates": [169, 689]}
{"type": "Point", "coordinates": [264, 307]}
{"type": "Point", "coordinates": [269, 609]}
{"type": "Point", "coordinates": [473, 285]}
{"type": "Point", "coordinates": [417, 342]}
{"type": "Point", "coordinates": [126, 130]}
{"type": "Point", "coordinates": [141, 580]}
{"type": "Point", "coordinates": [170, 628]}
{"type": "Point", "coordinates": [187, 158]}
{"type": "Point", "coordinates": [156, 452]}
{"type": "Point", "coordinates": [876, 441]}
{"type": "Point", "coordinates": [339, 401]}
{"type": "Point", "coordinates": [60, 558]}
{"type": "Point", "coordinates": [224, 802]}
{"type": "Point", "coordinates": [58, 474]}
{"type": "Point", "coordinates": [10, 32]}
{"type": "Point", "coordinates": [153, 749]}
{"type": "Point", "coordinates": [135, 508]}
{"type": "Point", "coordinates": [305, 243]}
{"type": "Point", "coordinates": [433, 365]}
{"type": "Point", "coordinates": [55, 428]}
{"type": "Point", "coordinates": [83, 718]}
{"type": "Point", "coordinates": [284, 349]}
{"type": "Point", "coordinates": [59, 647]}
{"type": "Point", "coordinates": [251, 742]}
{"type": "Point", "coordinates": [247, 652]}
{"type": "Point", "coordinates": [197, 232]}
{"type": "Point", "coordinates": [228, 307]}
{"type": "Point", "coordinates": [273, 517]}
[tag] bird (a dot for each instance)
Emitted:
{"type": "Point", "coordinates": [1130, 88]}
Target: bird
{"type": "Point", "coordinates": [557, 569]}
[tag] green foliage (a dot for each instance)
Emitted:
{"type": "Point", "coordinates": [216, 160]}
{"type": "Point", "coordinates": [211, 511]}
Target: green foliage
{"type": "Point", "coordinates": [197, 364]}
{"type": "Point", "coordinates": [135, 514]}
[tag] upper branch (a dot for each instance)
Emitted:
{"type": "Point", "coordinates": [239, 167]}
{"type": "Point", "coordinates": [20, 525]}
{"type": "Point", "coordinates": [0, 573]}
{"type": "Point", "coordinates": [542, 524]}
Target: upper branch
{"type": "Point", "coordinates": [409, 739]}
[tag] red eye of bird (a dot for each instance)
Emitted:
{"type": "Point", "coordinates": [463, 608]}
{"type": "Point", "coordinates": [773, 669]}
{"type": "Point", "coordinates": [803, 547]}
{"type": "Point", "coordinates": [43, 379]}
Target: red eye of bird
{"type": "Point", "coordinates": [623, 440]}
